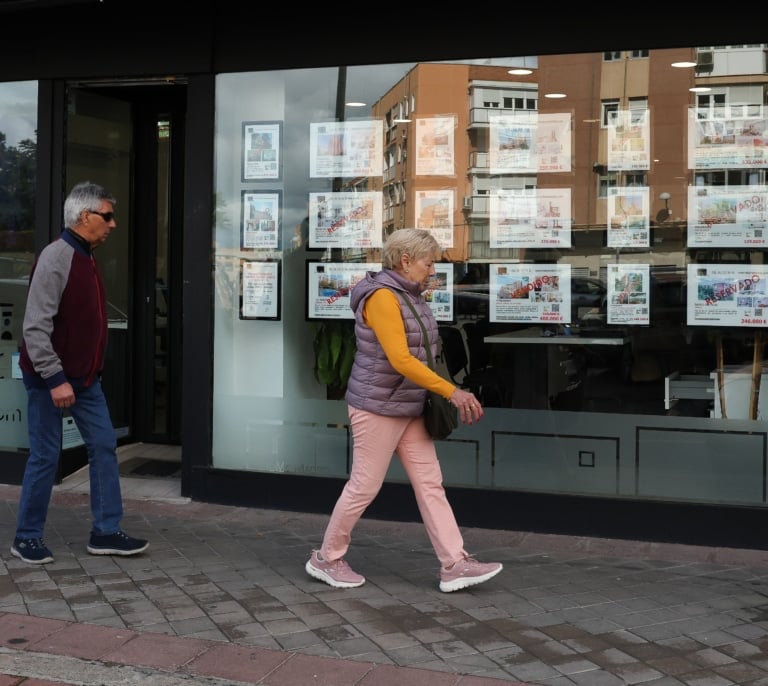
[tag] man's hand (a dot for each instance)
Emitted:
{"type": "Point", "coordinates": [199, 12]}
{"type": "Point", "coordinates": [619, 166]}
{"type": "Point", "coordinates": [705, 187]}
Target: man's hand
{"type": "Point", "coordinates": [63, 395]}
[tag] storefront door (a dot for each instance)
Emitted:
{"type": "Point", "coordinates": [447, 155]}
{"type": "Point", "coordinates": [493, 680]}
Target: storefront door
{"type": "Point", "coordinates": [129, 138]}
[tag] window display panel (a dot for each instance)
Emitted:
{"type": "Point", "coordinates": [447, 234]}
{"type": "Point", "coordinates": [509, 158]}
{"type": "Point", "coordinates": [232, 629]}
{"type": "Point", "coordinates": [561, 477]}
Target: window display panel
{"type": "Point", "coordinates": [575, 221]}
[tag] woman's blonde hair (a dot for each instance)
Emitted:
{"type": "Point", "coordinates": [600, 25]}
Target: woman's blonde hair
{"type": "Point", "coordinates": [417, 243]}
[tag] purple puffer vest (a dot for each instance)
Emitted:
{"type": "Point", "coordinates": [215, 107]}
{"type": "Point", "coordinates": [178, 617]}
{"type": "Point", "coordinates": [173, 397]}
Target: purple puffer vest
{"type": "Point", "coordinates": [374, 385]}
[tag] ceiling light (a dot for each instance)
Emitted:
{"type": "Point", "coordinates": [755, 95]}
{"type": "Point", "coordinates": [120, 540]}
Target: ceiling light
{"type": "Point", "coordinates": [355, 104]}
{"type": "Point", "coordinates": [683, 65]}
{"type": "Point", "coordinates": [400, 121]}
{"type": "Point", "coordinates": [519, 72]}
{"type": "Point", "coordinates": [554, 96]}
{"type": "Point", "coordinates": [700, 89]}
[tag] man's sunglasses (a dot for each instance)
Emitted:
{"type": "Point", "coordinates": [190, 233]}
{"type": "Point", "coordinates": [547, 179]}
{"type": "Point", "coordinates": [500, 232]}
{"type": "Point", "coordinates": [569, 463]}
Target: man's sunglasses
{"type": "Point", "coordinates": [106, 216]}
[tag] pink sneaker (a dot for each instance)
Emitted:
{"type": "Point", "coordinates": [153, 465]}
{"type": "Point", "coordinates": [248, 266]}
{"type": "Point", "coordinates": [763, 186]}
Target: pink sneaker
{"type": "Point", "coordinates": [337, 574]}
{"type": "Point", "coordinates": [467, 572]}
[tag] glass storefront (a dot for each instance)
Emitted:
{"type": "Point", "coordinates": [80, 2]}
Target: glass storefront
{"type": "Point", "coordinates": [18, 159]}
{"type": "Point", "coordinates": [602, 220]}
{"type": "Point", "coordinates": [601, 287]}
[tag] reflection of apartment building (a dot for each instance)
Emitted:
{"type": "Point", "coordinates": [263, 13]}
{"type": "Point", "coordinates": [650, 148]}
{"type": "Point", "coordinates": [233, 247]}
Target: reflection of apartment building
{"type": "Point", "coordinates": [630, 115]}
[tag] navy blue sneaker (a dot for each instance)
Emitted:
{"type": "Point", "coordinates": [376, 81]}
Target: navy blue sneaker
{"type": "Point", "coordinates": [119, 543]}
{"type": "Point", "coordinates": [31, 550]}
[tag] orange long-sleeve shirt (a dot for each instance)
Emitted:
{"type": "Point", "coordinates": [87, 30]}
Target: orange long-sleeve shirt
{"type": "Point", "coordinates": [382, 313]}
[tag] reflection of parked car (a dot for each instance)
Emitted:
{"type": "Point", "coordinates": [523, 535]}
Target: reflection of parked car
{"type": "Point", "coordinates": [588, 299]}
{"type": "Point", "coordinates": [471, 300]}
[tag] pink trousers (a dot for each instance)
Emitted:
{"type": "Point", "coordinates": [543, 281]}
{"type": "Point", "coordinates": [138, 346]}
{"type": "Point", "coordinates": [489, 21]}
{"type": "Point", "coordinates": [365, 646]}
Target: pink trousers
{"type": "Point", "coordinates": [376, 439]}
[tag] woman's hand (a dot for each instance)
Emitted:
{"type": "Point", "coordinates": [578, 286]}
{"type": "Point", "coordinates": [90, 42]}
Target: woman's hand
{"type": "Point", "coordinates": [469, 407]}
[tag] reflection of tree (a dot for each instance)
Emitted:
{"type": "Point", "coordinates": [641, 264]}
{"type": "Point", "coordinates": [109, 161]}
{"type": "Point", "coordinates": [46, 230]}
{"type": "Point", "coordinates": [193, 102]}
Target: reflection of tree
{"type": "Point", "coordinates": [17, 195]}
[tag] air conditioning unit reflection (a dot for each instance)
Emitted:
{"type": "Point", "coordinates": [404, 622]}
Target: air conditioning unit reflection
{"type": "Point", "coordinates": [705, 61]}
{"type": "Point", "coordinates": [467, 205]}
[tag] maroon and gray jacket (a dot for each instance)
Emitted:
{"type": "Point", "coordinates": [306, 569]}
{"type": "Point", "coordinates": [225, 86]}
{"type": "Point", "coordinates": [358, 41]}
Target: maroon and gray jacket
{"type": "Point", "coordinates": [65, 323]}
{"type": "Point", "coordinates": [374, 385]}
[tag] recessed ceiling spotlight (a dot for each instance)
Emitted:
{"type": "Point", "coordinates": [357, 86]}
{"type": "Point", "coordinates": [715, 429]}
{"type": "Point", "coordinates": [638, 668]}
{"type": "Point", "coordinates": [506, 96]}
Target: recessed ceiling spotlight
{"type": "Point", "coordinates": [555, 96]}
{"type": "Point", "coordinates": [519, 71]}
{"type": "Point", "coordinates": [683, 64]}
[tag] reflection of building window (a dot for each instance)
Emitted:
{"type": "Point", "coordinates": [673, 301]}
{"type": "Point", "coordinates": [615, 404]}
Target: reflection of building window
{"type": "Point", "coordinates": [611, 55]}
{"type": "Point", "coordinates": [711, 106]}
{"type": "Point", "coordinates": [605, 182]}
{"type": "Point", "coordinates": [638, 108]}
{"type": "Point", "coordinates": [634, 179]}
{"type": "Point", "coordinates": [610, 109]}
{"type": "Point", "coordinates": [731, 177]}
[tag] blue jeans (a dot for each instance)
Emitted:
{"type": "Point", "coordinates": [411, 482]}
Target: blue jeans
{"type": "Point", "coordinates": [91, 416]}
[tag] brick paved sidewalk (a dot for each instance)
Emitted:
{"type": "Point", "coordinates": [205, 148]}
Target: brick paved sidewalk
{"type": "Point", "coordinates": [223, 584]}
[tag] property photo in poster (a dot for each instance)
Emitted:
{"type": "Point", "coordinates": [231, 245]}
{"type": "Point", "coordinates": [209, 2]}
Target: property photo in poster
{"type": "Point", "coordinates": [728, 295]}
{"type": "Point", "coordinates": [260, 289]}
{"type": "Point", "coordinates": [345, 220]}
{"type": "Point", "coordinates": [434, 212]}
{"type": "Point", "coordinates": [439, 292]}
{"type": "Point", "coordinates": [727, 216]}
{"type": "Point", "coordinates": [535, 293]}
{"type": "Point", "coordinates": [262, 142]}
{"type": "Point", "coordinates": [260, 219]}
{"type": "Point", "coordinates": [346, 149]}
{"type": "Point", "coordinates": [628, 219]}
{"type": "Point", "coordinates": [329, 285]}
{"type": "Point", "coordinates": [628, 294]}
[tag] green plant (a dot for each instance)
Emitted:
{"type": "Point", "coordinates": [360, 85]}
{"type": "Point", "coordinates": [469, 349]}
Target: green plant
{"type": "Point", "coordinates": [334, 346]}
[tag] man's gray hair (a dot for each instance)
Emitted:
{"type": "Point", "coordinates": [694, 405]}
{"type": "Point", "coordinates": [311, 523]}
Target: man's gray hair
{"type": "Point", "coordinates": [84, 196]}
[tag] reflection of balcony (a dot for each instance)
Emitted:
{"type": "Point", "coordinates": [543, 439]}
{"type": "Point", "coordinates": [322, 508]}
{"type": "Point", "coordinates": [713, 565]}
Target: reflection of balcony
{"type": "Point", "coordinates": [479, 116]}
{"type": "Point", "coordinates": [478, 163]}
{"type": "Point", "coordinates": [476, 205]}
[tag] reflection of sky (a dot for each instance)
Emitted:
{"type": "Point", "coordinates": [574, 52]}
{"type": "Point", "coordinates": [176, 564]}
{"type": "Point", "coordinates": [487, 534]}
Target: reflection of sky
{"type": "Point", "coordinates": [18, 111]}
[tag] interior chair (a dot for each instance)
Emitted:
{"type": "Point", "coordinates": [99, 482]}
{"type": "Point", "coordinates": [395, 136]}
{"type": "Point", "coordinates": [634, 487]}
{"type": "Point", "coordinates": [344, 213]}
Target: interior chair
{"type": "Point", "coordinates": [483, 382]}
{"type": "Point", "coordinates": [454, 354]}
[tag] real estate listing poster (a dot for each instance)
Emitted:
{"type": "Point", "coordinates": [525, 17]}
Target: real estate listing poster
{"type": "Point", "coordinates": [728, 295]}
{"type": "Point", "coordinates": [727, 216]}
{"type": "Point", "coordinates": [261, 150]}
{"type": "Point", "coordinates": [260, 212]}
{"type": "Point", "coordinates": [345, 220]}
{"type": "Point", "coordinates": [259, 289]}
{"type": "Point", "coordinates": [529, 143]}
{"type": "Point", "coordinates": [439, 292]}
{"type": "Point", "coordinates": [435, 146]}
{"type": "Point", "coordinates": [628, 219]}
{"type": "Point", "coordinates": [628, 294]}
{"type": "Point", "coordinates": [734, 142]}
{"type": "Point", "coordinates": [629, 140]}
{"type": "Point", "coordinates": [434, 212]}
{"type": "Point", "coordinates": [329, 285]}
{"type": "Point", "coordinates": [535, 293]}
{"type": "Point", "coordinates": [530, 218]}
{"type": "Point", "coordinates": [346, 149]}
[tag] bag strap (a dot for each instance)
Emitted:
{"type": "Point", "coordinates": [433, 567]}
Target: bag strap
{"type": "Point", "coordinates": [428, 346]}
